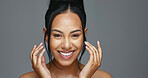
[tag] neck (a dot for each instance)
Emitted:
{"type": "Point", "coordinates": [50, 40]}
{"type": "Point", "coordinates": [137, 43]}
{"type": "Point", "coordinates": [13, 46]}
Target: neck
{"type": "Point", "coordinates": [59, 70]}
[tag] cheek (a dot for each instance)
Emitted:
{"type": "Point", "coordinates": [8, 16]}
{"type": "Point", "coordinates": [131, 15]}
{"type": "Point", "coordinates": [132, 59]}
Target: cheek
{"type": "Point", "coordinates": [78, 43]}
{"type": "Point", "coordinates": [53, 43]}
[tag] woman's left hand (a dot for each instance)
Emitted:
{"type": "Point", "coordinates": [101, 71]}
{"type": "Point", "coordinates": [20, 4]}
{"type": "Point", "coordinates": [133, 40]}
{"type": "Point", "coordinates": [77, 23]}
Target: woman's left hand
{"type": "Point", "coordinates": [94, 61]}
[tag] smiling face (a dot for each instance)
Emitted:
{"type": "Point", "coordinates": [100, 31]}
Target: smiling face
{"type": "Point", "coordinates": [66, 39]}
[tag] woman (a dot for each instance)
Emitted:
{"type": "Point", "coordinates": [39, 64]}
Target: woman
{"type": "Point", "coordinates": [65, 34]}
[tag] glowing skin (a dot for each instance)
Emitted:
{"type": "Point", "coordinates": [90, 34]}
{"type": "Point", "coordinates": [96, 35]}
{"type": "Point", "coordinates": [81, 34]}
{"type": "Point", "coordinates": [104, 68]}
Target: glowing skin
{"type": "Point", "coordinates": [66, 35]}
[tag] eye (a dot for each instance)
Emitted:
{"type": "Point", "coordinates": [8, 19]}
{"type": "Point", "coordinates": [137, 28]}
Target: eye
{"type": "Point", "coordinates": [75, 35]}
{"type": "Point", "coordinates": [57, 35]}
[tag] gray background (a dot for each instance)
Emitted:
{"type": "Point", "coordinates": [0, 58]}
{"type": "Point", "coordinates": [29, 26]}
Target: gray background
{"type": "Point", "coordinates": [120, 25]}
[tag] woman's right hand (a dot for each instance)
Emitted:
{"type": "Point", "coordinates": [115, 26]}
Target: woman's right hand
{"type": "Point", "coordinates": [38, 62]}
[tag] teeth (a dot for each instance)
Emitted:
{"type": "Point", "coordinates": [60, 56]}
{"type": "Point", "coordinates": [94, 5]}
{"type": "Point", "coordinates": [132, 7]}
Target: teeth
{"type": "Point", "coordinates": [66, 54]}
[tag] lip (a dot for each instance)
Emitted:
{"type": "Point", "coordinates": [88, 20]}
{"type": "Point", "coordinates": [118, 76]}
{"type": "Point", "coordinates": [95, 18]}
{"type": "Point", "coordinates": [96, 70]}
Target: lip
{"type": "Point", "coordinates": [66, 51]}
{"type": "Point", "coordinates": [67, 57]}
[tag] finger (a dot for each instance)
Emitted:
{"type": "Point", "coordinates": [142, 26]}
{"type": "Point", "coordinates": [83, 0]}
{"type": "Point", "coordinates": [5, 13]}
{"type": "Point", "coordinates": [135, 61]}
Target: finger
{"type": "Point", "coordinates": [99, 49]}
{"type": "Point", "coordinates": [40, 57]}
{"type": "Point", "coordinates": [32, 52]}
{"type": "Point", "coordinates": [93, 50]}
{"type": "Point", "coordinates": [91, 54]}
{"type": "Point", "coordinates": [97, 54]}
{"type": "Point", "coordinates": [38, 50]}
{"type": "Point", "coordinates": [39, 46]}
{"type": "Point", "coordinates": [34, 57]}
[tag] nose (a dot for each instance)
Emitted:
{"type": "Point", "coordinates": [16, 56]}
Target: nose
{"type": "Point", "coordinates": [66, 44]}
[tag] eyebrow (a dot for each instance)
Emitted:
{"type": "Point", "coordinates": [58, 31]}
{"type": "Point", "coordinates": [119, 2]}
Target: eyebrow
{"type": "Point", "coordinates": [63, 32]}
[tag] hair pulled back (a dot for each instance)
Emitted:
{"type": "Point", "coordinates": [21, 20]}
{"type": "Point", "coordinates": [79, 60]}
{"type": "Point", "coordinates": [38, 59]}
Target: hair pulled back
{"type": "Point", "coordinates": [60, 6]}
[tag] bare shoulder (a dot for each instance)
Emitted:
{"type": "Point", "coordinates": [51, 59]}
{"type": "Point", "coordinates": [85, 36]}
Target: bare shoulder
{"type": "Point", "coordinates": [29, 75]}
{"type": "Point", "coordinates": [101, 74]}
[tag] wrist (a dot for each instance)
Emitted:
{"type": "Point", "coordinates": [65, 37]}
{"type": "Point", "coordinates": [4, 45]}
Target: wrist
{"type": "Point", "coordinates": [47, 77]}
{"type": "Point", "coordinates": [82, 76]}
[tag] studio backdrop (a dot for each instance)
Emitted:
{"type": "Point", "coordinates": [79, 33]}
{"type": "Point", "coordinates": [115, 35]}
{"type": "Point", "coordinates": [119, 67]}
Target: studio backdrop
{"type": "Point", "coordinates": [120, 26]}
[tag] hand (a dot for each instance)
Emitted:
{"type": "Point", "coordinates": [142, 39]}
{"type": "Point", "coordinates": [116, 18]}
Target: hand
{"type": "Point", "coordinates": [94, 61]}
{"type": "Point", "coordinates": [39, 63]}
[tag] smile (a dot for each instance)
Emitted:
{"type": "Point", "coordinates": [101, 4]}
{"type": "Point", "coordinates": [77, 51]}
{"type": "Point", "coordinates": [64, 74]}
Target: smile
{"type": "Point", "coordinates": [66, 54]}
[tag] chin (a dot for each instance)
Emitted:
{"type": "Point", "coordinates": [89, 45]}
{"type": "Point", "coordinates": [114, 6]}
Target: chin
{"type": "Point", "coordinates": [65, 63]}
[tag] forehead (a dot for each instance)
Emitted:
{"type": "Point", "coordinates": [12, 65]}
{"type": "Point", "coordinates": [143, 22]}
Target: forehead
{"type": "Point", "coordinates": [67, 21]}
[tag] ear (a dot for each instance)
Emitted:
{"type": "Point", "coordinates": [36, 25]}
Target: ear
{"type": "Point", "coordinates": [44, 30]}
{"type": "Point", "coordinates": [85, 31]}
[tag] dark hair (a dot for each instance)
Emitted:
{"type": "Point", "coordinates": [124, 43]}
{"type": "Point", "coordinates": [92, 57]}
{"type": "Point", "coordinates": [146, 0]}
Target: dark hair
{"type": "Point", "coordinates": [60, 6]}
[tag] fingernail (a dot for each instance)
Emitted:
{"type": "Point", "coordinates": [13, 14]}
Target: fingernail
{"type": "Point", "coordinates": [85, 42]}
{"type": "Point", "coordinates": [41, 43]}
{"type": "Point", "coordinates": [98, 42]}
{"type": "Point", "coordinates": [86, 47]}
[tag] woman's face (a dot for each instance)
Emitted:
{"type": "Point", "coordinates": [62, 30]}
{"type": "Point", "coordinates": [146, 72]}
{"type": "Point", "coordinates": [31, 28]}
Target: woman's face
{"type": "Point", "coordinates": [66, 39]}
